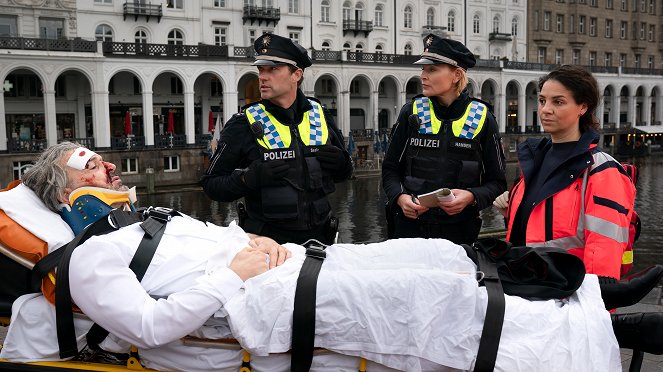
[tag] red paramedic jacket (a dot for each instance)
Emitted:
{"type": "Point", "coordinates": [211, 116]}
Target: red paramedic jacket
{"type": "Point", "coordinates": [593, 225]}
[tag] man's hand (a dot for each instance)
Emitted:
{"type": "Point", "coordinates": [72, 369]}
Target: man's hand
{"type": "Point", "coordinates": [331, 158]}
{"type": "Point", "coordinates": [248, 263]}
{"type": "Point", "coordinates": [265, 173]}
{"type": "Point", "coordinates": [410, 206]}
{"type": "Point", "coordinates": [463, 199]}
{"type": "Point", "coordinates": [277, 253]}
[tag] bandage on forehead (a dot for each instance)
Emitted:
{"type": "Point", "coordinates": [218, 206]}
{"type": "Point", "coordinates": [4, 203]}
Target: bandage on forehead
{"type": "Point", "coordinates": [79, 158]}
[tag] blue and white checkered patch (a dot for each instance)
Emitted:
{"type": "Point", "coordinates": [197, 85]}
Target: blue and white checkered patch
{"type": "Point", "coordinates": [472, 120]}
{"type": "Point", "coordinates": [423, 111]}
{"type": "Point", "coordinates": [271, 134]}
{"type": "Point", "coordinates": [315, 138]}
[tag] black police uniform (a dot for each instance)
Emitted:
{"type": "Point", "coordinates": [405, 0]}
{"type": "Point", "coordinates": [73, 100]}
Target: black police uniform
{"type": "Point", "coordinates": [412, 167]}
{"type": "Point", "coordinates": [285, 195]}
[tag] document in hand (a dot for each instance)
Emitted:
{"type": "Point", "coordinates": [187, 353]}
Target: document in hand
{"type": "Point", "coordinates": [430, 199]}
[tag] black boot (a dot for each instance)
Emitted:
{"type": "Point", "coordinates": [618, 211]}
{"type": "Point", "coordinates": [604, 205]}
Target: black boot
{"type": "Point", "coordinates": [627, 292]}
{"type": "Point", "coordinates": [639, 331]}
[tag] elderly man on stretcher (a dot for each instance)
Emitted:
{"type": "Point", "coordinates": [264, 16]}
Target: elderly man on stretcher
{"type": "Point", "coordinates": [409, 304]}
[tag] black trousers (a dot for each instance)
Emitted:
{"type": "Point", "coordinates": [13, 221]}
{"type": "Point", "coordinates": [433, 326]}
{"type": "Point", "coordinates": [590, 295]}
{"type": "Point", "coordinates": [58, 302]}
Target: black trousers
{"type": "Point", "coordinates": [463, 232]}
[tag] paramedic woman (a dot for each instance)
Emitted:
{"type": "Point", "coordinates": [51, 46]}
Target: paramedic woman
{"type": "Point", "coordinates": [443, 138]}
{"type": "Point", "coordinates": [571, 194]}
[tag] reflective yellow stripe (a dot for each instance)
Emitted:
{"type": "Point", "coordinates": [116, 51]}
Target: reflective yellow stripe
{"type": "Point", "coordinates": [304, 126]}
{"type": "Point", "coordinates": [436, 123]}
{"type": "Point", "coordinates": [627, 258]}
{"type": "Point", "coordinates": [457, 125]}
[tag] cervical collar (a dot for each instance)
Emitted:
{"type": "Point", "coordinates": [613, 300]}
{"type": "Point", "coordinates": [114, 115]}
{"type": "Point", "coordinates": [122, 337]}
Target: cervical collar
{"type": "Point", "coordinates": [88, 204]}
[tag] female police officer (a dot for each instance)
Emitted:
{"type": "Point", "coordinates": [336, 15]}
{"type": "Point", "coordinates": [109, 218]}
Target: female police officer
{"type": "Point", "coordinates": [282, 154]}
{"type": "Point", "coordinates": [443, 139]}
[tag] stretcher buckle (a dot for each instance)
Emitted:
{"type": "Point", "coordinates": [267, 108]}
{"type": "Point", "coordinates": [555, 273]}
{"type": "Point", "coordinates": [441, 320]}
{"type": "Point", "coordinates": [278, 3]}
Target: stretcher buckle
{"type": "Point", "coordinates": [162, 214]}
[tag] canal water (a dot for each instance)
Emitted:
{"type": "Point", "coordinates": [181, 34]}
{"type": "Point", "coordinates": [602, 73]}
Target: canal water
{"type": "Point", "coordinates": [359, 205]}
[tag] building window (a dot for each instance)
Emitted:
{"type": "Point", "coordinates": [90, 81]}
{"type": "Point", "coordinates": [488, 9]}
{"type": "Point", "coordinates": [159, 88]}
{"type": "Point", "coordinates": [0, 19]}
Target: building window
{"type": "Point", "coordinates": [652, 32]}
{"type": "Point", "coordinates": [608, 4]}
{"type": "Point", "coordinates": [608, 59]}
{"type": "Point", "coordinates": [355, 87]}
{"type": "Point", "coordinates": [175, 37]}
{"type": "Point", "coordinates": [541, 55]}
{"type": "Point", "coordinates": [136, 83]}
{"type": "Point", "coordinates": [650, 62]}
{"type": "Point", "coordinates": [622, 60]}
{"type": "Point", "coordinates": [608, 28]}
{"type": "Point", "coordinates": [359, 11]}
{"type": "Point", "coordinates": [379, 15]}
{"type": "Point", "coordinates": [643, 6]}
{"type": "Point", "coordinates": [220, 36]}
{"type": "Point", "coordinates": [326, 45]}
{"type": "Point", "coordinates": [294, 36]}
{"type": "Point", "coordinates": [623, 30]}
{"type": "Point", "coordinates": [176, 86]}
{"type": "Point", "coordinates": [559, 56]}
{"type": "Point", "coordinates": [325, 10]}
{"type": "Point", "coordinates": [20, 167]}
{"type": "Point", "coordinates": [624, 6]}
{"type": "Point", "coordinates": [637, 61]}
{"type": "Point", "coordinates": [581, 24]}
{"type": "Point", "coordinates": [293, 6]}
{"type": "Point", "coordinates": [176, 4]}
{"type": "Point", "coordinates": [130, 166]}
{"type": "Point", "coordinates": [50, 28]}
{"type": "Point", "coordinates": [546, 21]}
{"type": "Point", "coordinates": [592, 3]}
{"type": "Point", "coordinates": [140, 37]}
{"type": "Point", "coordinates": [514, 26]}
{"type": "Point", "coordinates": [347, 47]}
{"type": "Point", "coordinates": [430, 17]}
{"type": "Point", "coordinates": [215, 88]}
{"type": "Point", "coordinates": [451, 21]}
{"type": "Point", "coordinates": [359, 48]}
{"type": "Point", "coordinates": [560, 23]}
{"type": "Point", "coordinates": [643, 27]}
{"type": "Point", "coordinates": [103, 33]}
{"type": "Point", "coordinates": [476, 22]}
{"type": "Point", "coordinates": [496, 24]}
{"type": "Point", "coordinates": [407, 17]}
{"type": "Point", "coordinates": [347, 11]}
{"type": "Point", "coordinates": [220, 3]}
{"type": "Point", "coordinates": [652, 6]}
{"type": "Point", "coordinates": [252, 37]}
{"type": "Point", "coordinates": [575, 57]}
{"type": "Point", "coordinates": [327, 86]}
{"type": "Point", "coordinates": [8, 25]}
{"type": "Point", "coordinates": [408, 49]}
{"type": "Point", "coordinates": [592, 26]}
{"type": "Point", "coordinates": [592, 58]}
{"type": "Point", "coordinates": [171, 163]}
{"type": "Point", "coordinates": [104, 1]}
{"type": "Point", "coordinates": [379, 49]}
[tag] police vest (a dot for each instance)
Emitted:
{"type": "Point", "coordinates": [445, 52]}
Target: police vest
{"type": "Point", "coordinates": [444, 153]}
{"type": "Point", "coordinates": [301, 202]}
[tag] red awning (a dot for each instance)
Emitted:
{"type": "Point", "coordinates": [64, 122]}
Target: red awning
{"type": "Point", "coordinates": [127, 124]}
{"type": "Point", "coordinates": [171, 123]}
{"type": "Point", "coordinates": [210, 127]}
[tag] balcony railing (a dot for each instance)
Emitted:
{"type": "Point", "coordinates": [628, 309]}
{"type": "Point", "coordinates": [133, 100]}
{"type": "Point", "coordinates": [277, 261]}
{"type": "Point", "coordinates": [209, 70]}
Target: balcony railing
{"type": "Point", "coordinates": [137, 9]}
{"type": "Point", "coordinates": [641, 71]}
{"type": "Point", "coordinates": [31, 145]}
{"type": "Point", "coordinates": [248, 52]}
{"type": "Point", "coordinates": [381, 58]}
{"type": "Point", "coordinates": [170, 141]}
{"type": "Point", "coordinates": [499, 36]}
{"type": "Point", "coordinates": [128, 143]}
{"type": "Point", "coordinates": [326, 55]}
{"type": "Point", "coordinates": [260, 14]}
{"type": "Point", "coordinates": [165, 50]}
{"type": "Point", "coordinates": [65, 45]}
{"type": "Point", "coordinates": [356, 26]}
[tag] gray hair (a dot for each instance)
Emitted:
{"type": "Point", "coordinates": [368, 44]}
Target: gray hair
{"type": "Point", "coordinates": [47, 178]}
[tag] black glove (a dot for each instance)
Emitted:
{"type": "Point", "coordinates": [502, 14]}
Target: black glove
{"type": "Point", "coordinates": [260, 174]}
{"type": "Point", "coordinates": [331, 158]}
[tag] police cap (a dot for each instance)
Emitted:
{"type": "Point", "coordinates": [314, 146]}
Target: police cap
{"type": "Point", "coordinates": [273, 49]}
{"type": "Point", "coordinates": [438, 50]}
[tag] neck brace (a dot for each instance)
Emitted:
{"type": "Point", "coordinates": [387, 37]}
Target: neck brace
{"type": "Point", "coordinates": [88, 204]}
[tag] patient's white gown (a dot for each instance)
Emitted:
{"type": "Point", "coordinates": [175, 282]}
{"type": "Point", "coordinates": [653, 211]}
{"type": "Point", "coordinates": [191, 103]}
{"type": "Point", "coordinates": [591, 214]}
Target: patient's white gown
{"type": "Point", "coordinates": [409, 304]}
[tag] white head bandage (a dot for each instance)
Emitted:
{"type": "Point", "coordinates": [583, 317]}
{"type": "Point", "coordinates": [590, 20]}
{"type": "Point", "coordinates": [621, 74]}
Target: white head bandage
{"type": "Point", "coordinates": [79, 158]}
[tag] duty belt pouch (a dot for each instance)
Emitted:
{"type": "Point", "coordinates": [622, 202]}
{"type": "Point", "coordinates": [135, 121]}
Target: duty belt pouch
{"type": "Point", "coordinates": [279, 203]}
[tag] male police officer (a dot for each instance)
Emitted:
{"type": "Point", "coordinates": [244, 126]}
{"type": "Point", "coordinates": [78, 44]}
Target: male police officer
{"type": "Point", "coordinates": [282, 154]}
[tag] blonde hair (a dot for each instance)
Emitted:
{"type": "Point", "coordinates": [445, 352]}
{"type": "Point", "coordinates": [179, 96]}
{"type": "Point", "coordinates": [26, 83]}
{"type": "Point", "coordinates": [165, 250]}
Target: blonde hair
{"type": "Point", "coordinates": [462, 82]}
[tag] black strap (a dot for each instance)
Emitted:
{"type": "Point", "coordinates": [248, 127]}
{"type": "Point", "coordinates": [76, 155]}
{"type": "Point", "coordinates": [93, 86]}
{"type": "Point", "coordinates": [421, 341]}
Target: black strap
{"type": "Point", "coordinates": [303, 315]}
{"type": "Point", "coordinates": [492, 326]}
{"type": "Point", "coordinates": [154, 230]}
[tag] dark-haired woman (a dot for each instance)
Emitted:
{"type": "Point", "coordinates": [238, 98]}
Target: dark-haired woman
{"type": "Point", "coordinates": [571, 194]}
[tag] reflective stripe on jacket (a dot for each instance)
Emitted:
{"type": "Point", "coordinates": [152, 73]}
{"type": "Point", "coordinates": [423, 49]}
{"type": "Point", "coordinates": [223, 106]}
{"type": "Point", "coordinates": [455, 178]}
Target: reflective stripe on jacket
{"type": "Point", "coordinates": [592, 224]}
